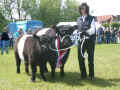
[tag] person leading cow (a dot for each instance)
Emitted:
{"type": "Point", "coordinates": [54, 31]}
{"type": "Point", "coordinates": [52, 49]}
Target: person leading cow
{"type": "Point", "coordinates": [86, 25]}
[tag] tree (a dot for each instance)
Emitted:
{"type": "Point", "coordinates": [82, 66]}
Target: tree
{"type": "Point", "coordinates": [6, 8]}
{"type": "Point", "coordinates": [70, 13]}
{"type": "Point", "coordinates": [19, 8]}
{"type": "Point", "coordinates": [50, 12]}
{"type": "Point", "coordinates": [47, 11]}
{"type": "Point", "coordinates": [115, 25]}
{"type": "Point", "coordinates": [3, 22]}
{"type": "Point", "coordinates": [106, 25]}
{"type": "Point", "coordinates": [9, 7]}
{"type": "Point", "coordinates": [29, 7]}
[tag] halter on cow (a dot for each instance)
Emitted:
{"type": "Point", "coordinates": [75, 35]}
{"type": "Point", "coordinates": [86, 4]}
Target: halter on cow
{"type": "Point", "coordinates": [63, 31]}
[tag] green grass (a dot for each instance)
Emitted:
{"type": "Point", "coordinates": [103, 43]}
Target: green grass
{"type": "Point", "coordinates": [107, 73]}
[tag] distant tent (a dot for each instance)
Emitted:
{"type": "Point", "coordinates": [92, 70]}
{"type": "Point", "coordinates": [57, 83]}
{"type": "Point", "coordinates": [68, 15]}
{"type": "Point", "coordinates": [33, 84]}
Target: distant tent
{"type": "Point", "coordinates": [12, 27]}
{"type": "Point", "coordinates": [104, 18]}
{"type": "Point", "coordinates": [34, 24]}
{"type": "Point", "coordinates": [25, 25]}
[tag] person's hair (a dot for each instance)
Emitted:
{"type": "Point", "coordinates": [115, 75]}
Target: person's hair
{"type": "Point", "coordinates": [6, 29]}
{"type": "Point", "coordinates": [86, 8]}
{"type": "Point", "coordinates": [20, 30]}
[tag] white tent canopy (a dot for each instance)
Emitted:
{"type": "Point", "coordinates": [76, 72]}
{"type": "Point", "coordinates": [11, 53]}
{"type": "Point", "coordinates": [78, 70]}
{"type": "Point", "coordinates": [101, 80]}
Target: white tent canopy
{"type": "Point", "coordinates": [103, 7]}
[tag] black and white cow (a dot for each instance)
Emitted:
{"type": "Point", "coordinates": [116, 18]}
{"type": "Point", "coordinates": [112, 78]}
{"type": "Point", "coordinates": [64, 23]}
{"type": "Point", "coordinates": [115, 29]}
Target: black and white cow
{"type": "Point", "coordinates": [34, 51]}
{"type": "Point", "coordinates": [64, 30]}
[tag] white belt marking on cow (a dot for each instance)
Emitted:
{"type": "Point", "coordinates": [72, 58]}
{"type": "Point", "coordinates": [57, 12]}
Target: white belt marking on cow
{"type": "Point", "coordinates": [42, 31]}
{"type": "Point", "coordinates": [67, 23]}
{"type": "Point", "coordinates": [21, 44]}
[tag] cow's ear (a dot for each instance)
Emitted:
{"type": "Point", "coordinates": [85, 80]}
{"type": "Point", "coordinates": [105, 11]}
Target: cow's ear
{"type": "Point", "coordinates": [55, 27]}
{"type": "Point", "coordinates": [76, 26]}
{"type": "Point", "coordinates": [34, 35]}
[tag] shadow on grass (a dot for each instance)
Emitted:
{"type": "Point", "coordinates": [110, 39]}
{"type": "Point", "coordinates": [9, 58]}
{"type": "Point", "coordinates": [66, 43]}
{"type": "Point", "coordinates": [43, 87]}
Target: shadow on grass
{"type": "Point", "coordinates": [73, 78]}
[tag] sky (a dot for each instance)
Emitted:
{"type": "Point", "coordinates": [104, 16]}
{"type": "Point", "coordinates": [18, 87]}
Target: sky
{"type": "Point", "coordinates": [103, 7]}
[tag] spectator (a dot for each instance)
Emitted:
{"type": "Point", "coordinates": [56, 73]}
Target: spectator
{"type": "Point", "coordinates": [108, 36]}
{"type": "Point", "coordinates": [118, 37]}
{"type": "Point", "coordinates": [113, 36]}
{"type": "Point", "coordinates": [5, 41]}
{"type": "Point", "coordinates": [100, 35]}
{"type": "Point", "coordinates": [86, 25]}
{"type": "Point", "coordinates": [17, 34]}
{"type": "Point", "coordinates": [11, 40]}
{"type": "Point", "coordinates": [0, 41]}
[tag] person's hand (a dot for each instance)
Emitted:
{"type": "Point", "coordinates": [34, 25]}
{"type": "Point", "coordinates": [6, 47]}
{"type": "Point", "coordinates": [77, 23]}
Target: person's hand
{"type": "Point", "coordinates": [84, 33]}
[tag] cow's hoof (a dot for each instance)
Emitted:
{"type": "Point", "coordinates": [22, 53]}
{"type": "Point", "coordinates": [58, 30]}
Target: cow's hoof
{"type": "Point", "coordinates": [18, 72]}
{"type": "Point", "coordinates": [83, 77]}
{"type": "Point", "coordinates": [53, 77]}
{"type": "Point", "coordinates": [62, 75]}
{"type": "Point", "coordinates": [43, 79]}
{"type": "Point", "coordinates": [46, 71]}
{"type": "Point", "coordinates": [32, 81]}
{"type": "Point", "coordinates": [28, 74]}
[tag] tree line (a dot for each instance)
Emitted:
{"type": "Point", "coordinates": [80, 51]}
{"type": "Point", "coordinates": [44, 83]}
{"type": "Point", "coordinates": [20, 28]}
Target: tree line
{"type": "Point", "coordinates": [114, 25]}
{"type": "Point", "coordinates": [48, 11]}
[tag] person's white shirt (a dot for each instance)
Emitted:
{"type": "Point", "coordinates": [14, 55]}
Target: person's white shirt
{"type": "Point", "coordinates": [92, 29]}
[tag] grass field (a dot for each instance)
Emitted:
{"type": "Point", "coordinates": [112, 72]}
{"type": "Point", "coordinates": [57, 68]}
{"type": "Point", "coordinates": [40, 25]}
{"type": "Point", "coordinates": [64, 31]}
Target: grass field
{"type": "Point", "coordinates": [107, 73]}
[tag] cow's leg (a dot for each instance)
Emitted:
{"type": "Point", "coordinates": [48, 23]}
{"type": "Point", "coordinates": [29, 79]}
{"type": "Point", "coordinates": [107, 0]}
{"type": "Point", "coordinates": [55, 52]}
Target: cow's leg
{"type": "Point", "coordinates": [26, 64]}
{"type": "Point", "coordinates": [33, 67]}
{"type": "Point", "coordinates": [90, 51]}
{"type": "Point", "coordinates": [27, 67]}
{"type": "Point", "coordinates": [82, 61]}
{"type": "Point", "coordinates": [42, 69]}
{"type": "Point", "coordinates": [46, 69]}
{"type": "Point", "coordinates": [62, 74]}
{"type": "Point", "coordinates": [18, 62]}
{"type": "Point", "coordinates": [53, 66]}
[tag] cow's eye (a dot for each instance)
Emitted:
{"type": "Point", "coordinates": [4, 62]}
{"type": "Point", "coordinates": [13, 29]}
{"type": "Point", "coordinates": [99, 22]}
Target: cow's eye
{"type": "Point", "coordinates": [64, 32]}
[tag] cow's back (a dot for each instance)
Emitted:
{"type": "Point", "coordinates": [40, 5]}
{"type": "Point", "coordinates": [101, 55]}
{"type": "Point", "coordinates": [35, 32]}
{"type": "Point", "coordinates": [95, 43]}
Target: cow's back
{"type": "Point", "coordinates": [20, 45]}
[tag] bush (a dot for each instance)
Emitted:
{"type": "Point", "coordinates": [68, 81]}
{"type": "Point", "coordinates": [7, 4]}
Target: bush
{"type": "Point", "coordinates": [106, 25]}
{"type": "Point", "coordinates": [3, 22]}
{"type": "Point", "coordinates": [113, 25]}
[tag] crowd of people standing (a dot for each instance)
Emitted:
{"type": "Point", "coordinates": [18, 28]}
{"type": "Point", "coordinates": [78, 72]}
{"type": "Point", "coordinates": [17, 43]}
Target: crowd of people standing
{"type": "Point", "coordinates": [108, 36]}
{"type": "Point", "coordinates": [7, 40]}
{"type": "Point", "coordinates": [4, 41]}
{"type": "Point", "coordinates": [103, 36]}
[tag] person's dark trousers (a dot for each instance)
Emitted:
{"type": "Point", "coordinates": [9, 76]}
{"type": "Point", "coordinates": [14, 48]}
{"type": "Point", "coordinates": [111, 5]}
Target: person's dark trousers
{"type": "Point", "coordinates": [11, 43]}
{"type": "Point", "coordinates": [5, 46]}
{"type": "Point", "coordinates": [113, 39]}
{"type": "Point", "coordinates": [89, 46]}
{"type": "Point", "coordinates": [108, 40]}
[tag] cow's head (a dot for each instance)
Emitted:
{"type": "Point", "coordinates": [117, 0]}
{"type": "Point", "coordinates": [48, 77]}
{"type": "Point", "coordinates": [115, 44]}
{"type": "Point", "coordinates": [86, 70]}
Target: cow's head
{"type": "Point", "coordinates": [42, 40]}
{"type": "Point", "coordinates": [64, 32]}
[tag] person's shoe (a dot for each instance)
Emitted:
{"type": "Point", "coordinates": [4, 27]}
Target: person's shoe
{"type": "Point", "coordinates": [83, 76]}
